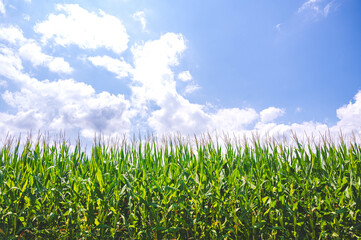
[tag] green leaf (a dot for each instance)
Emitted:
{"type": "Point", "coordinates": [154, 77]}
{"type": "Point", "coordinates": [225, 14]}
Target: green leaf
{"type": "Point", "coordinates": [99, 176]}
{"type": "Point", "coordinates": [341, 210]}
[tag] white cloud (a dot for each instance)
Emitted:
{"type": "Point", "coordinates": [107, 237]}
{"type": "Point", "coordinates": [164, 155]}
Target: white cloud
{"type": "Point", "coordinates": [269, 114]}
{"type": "Point", "coordinates": [11, 65]}
{"type": "Point", "coordinates": [310, 4]}
{"type": "Point", "coordinates": [153, 85]}
{"type": "Point", "coordinates": [328, 8]}
{"type": "Point", "coordinates": [317, 7]}
{"type": "Point", "coordinates": [59, 65]}
{"type": "Point", "coordinates": [153, 78]}
{"type": "Point", "coordinates": [185, 76]}
{"type": "Point", "coordinates": [67, 105]}
{"type": "Point", "coordinates": [278, 27]}
{"type": "Point", "coordinates": [58, 105]}
{"type": "Point", "coordinates": [232, 119]}
{"type": "Point", "coordinates": [178, 115]}
{"type": "Point", "coordinates": [191, 88]}
{"type": "Point", "coordinates": [32, 51]}
{"type": "Point", "coordinates": [12, 34]}
{"type": "Point", "coordinates": [154, 95]}
{"type": "Point", "coordinates": [280, 131]}
{"type": "Point", "coordinates": [348, 124]}
{"type": "Point", "coordinates": [75, 106]}
{"type": "Point", "coordinates": [140, 16]}
{"type": "Point", "coordinates": [21, 122]}
{"type": "Point", "coordinates": [154, 82]}
{"type": "Point", "coordinates": [2, 7]}
{"type": "Point", "coordinates": [350, 116]}
{"type": "Point", "coordinates": [86, 29]}
{"type": "Point", "coordinates": [119, 67]}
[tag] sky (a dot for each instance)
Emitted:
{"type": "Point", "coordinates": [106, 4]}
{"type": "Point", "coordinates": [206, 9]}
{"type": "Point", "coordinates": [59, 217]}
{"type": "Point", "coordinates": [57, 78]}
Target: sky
{"type": "Point", "coordinates": [144, 66]}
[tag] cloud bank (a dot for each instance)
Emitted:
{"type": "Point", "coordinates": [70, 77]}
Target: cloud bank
{"type": "Point", "coordinates": [156, 101]}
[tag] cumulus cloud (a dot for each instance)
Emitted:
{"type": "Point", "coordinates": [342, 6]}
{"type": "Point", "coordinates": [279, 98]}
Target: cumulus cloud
{"type": "Point", "coordinates": [12, 34]}
{"type": "Point", "coordinates": [59, 65]}
{"type": "Point", "coordinates": [76, 107]}
{"type": "Point", "coordinates": [153, 78]}
{"type": "Point", "coordinates": [88, 30]}
{"type": "Point", "coordinates": [58, 105]}
{"type": "Point", "coordinates": [32, 51]}
{"type": "Point", "coordinates": [185, 76]}
{"type": "Point", "coordinates": [350, 116]}
{"type": "Point", "coordinates": [119, 67]}
{"type": "Point", "coordinates": [140, 16]}
{"type": "Point", "coordinates": [11, 65]}
{"type": "Point", "coordinates": [177, 114]}
{"type": "Point", "coordinates": [154, 82]}
{"type": "Point", "coordinates": [270, 114]}
{"type": "Point", "coordinates": [67, 105]}
{"type": "Point", "coordinates": [154, 96]}
{"type": "Point", "coordinates": [349, 123]}
{"type": "Point", "coordinates": [232, 119]}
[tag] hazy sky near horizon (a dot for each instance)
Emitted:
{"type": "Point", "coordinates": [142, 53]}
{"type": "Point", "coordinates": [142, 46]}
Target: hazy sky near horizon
{"type": "Point", "coordinates": [124, 66]}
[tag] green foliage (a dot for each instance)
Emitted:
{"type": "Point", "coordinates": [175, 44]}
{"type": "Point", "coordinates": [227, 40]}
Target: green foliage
{"type": "Point", "coordinates": [148, 190]}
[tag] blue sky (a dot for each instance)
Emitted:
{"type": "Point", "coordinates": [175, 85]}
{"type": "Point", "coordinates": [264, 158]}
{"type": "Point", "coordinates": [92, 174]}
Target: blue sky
{"type": "Point", "coordinates": [123, 66]}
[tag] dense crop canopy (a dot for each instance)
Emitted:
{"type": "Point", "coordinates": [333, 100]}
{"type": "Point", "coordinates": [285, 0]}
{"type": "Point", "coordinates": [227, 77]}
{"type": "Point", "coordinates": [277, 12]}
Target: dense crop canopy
{"type": "Point", "coordinates": [176, 190]}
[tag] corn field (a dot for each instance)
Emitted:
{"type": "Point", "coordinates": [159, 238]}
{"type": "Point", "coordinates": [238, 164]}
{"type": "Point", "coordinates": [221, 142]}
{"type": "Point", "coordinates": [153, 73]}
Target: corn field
{"type": "Point", "coordinates": [177, 190]}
